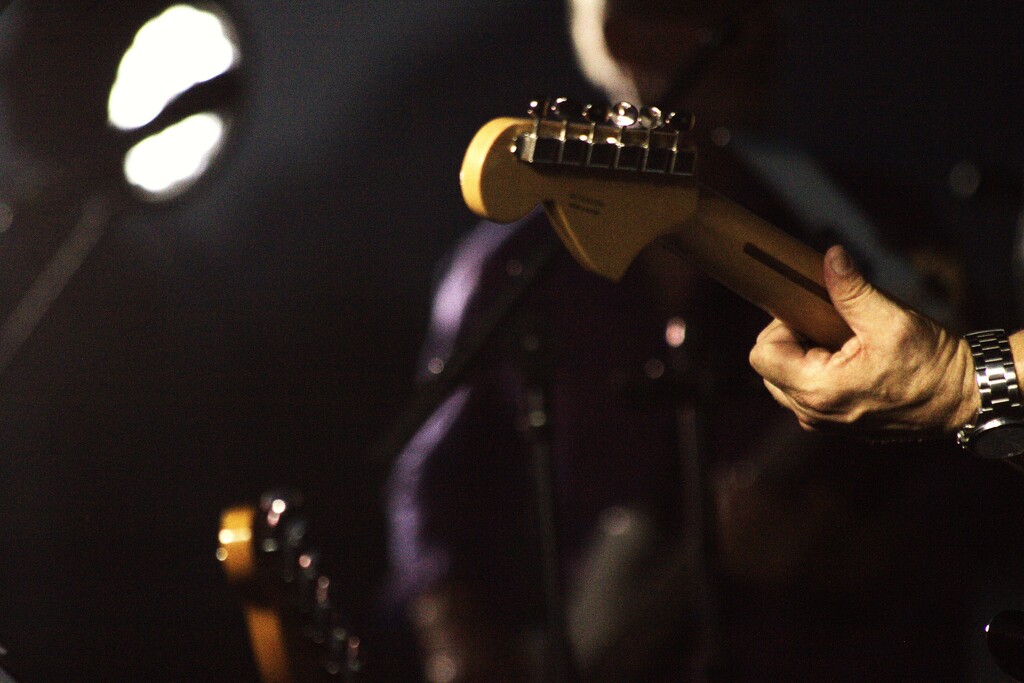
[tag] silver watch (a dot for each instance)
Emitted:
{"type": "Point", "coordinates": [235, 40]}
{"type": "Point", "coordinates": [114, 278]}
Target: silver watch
{"type": "Point", "coordinates": [998, 430]}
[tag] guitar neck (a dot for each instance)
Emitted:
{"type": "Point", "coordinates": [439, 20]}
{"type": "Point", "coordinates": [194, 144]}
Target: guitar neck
{"type": "Point", "coordinates": [766, 266]}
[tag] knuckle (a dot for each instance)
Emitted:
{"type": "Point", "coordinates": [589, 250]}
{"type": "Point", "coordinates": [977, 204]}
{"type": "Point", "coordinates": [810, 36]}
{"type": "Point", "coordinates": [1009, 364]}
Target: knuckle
{"type": "Point", "coordinates": [821, 401]}
{"type": "Point", "coordinates": [756, 357]}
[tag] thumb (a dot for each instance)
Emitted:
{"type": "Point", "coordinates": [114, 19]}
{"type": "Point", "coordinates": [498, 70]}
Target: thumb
{"type": "Point", "coordinates": [857, 301]}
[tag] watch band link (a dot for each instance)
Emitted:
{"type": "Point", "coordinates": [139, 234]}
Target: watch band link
{"type": "Point", "coordinates": [995, 374]}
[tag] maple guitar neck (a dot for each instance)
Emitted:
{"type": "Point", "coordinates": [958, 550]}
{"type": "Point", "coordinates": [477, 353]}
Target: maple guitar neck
{"type": "Point", "coordinates": [615, 180]}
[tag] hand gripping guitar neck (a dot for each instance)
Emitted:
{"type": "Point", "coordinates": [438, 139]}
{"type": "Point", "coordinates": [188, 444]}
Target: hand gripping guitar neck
{"type": "Point", "coordinates": [616, 179]}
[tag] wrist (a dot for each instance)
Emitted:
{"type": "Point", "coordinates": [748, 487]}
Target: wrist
{"type": "Point", "coordinates": [966, 412]}
{"type": "Point", "coordinates": [1017, 348]}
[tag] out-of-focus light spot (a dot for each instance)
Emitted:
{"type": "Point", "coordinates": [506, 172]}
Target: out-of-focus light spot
{"type": "Point", "coordinates": [426, 611]}
{"type": "Point", "coordinates": [721, 136]}
{"type": "Point", "coordinates": [352, 651]}
{"type": "Point", "coordinates": [171, 53]}
{"type": "Point", "coordinates": [443, 667]}
{"type": "Point", "coordinates": [165, 163]}
{"type": "Point", "coordinates": [654, 368]}
{"type": "Point", "coordinates": [964, 180]}
{"type": "Point", "coordinates": [222, 554]}
{"type": "Point", "coordinates": [228, 536]}
{"type": "Point", "coordinates": [279, 505]}
{"type": "Point", "coordinates": [675, 332]}
{"type": "Point", "coordinates": [323, 584]}
{"type": "Point", "coordinates": [617, 521]}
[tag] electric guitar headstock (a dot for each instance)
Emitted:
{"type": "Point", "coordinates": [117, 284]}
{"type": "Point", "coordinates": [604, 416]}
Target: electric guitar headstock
{"type": "Point", "coordinates": [297, 631]}
{"type": "Point", "coordinates": [615, 179]}
{"type": "Point", "coordinates": [583, 163]}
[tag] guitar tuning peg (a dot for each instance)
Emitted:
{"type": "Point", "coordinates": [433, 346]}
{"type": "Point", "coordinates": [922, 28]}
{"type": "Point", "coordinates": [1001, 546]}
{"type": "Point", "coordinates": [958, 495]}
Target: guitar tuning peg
{"type": "Point", "coordinates": [597, 114]}
{"type": "Point", "coordinates": [275, 504]}
{"type": "Point", "coordinates": [681, 121]}
{"type": "Point", "coordinates": [538, 108]}
{"type": "Point", "coordinates": [651, 117]}
{"type": "Point", "coordinates": [564, 109]}
{"type": "Point", "coordinates": [624, 114]}
{"type": "Point", "coordinates": [279, 501]}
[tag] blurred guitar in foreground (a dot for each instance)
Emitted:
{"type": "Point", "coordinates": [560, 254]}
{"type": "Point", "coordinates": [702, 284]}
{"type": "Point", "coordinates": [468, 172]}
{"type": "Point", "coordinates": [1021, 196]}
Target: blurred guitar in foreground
{"type": "Point", "coordinates": [296, 630]}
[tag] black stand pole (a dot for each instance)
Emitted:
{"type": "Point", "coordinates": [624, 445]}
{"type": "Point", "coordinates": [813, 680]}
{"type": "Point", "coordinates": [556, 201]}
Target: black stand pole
{"type": "Point", "coordinates": [535, 360]}
{"type": "Point", "coordinates": [558, 660]}
{"type": "Point", "coordinates": [698, 512]}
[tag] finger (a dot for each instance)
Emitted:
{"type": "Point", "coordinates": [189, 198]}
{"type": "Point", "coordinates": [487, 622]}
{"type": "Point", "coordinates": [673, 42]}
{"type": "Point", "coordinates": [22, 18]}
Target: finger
{"type": "Point", "coordinates": [787, 402]}
{"type": "Point", "coordinates": [781, 397]}
{"type": "Point", "coordinates": [771, 329]}
{"type": "Point", "coordinates": [865, 309]}
{"type": "Point", "coordinates": [780, 357]}
{"type": "Point", "coordinates": [806, 426]}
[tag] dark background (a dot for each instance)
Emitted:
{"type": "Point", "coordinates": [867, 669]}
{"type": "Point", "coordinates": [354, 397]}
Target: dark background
{"type": "Point", "coordinates": [262, 329]}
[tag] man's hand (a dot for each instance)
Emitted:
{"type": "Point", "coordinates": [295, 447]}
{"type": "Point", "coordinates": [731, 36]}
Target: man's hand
{"type": "Point", "coordinates": [900, 374]}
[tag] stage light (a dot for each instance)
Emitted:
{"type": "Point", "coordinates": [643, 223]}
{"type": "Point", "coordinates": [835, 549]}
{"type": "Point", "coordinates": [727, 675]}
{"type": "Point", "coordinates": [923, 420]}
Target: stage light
{"type": "Point", "coordinates": [172, 52]}
{"type": "Point", "coordinates": [165, 163]}
{"type": "Point", "coordinates": [182, 47]}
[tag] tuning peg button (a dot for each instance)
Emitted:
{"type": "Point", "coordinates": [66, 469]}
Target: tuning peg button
{"type": "Point", "coordinates": [624, 114]}
{"type": "Point", "coordinates": [538, 107]}
{"type": "Point", "coordinates": [651, 117]}
{"type": "Point", "coordinates": [598, 114]}
{"type": "Point", "coordinates": [564, 109]}
{"type": "Point", "coordinates": [681, 121]}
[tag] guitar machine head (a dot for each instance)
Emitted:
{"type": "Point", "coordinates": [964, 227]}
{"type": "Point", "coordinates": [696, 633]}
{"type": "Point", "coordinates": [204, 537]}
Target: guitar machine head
{"type": "Point", "coordinates": [617, 137]}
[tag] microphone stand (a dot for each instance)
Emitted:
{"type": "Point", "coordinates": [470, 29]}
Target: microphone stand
{"type": "Point", "coordinates": [695, 456]}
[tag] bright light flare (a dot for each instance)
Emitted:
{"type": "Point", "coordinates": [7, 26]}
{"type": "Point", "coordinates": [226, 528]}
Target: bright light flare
{"type": "Point", "coordinates": [172, 52]}
{"type": "Point", "coordinates": [168, 161]}
{"type": "Point", "coordinates": [229, 536]}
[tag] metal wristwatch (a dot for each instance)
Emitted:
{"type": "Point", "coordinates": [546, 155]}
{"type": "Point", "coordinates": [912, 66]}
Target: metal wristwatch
{"type": "Point", "coordinates": [998, 430]}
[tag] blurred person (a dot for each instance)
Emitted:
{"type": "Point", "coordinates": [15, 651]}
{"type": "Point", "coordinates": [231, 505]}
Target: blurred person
{"type": "Point", "coordinates": [808, 568]}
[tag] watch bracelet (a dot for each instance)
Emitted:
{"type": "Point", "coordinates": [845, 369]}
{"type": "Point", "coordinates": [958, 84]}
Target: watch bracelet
{"type": "Point", "coordinates": [995, 376]}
